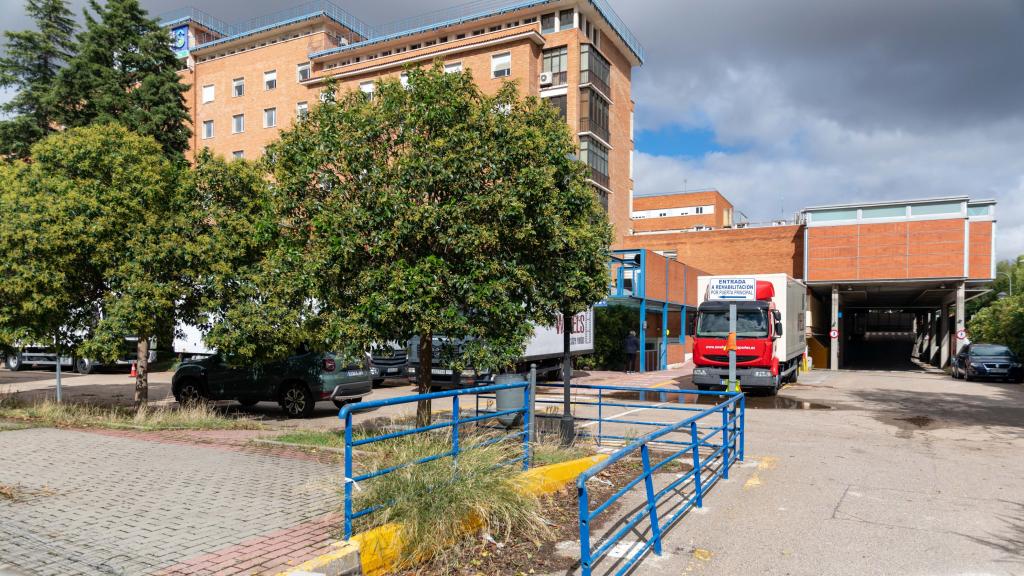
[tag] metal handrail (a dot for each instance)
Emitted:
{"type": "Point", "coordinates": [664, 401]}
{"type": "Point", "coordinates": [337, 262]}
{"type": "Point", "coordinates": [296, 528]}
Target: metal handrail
{"type": "Point", "coordinates": [725, 453]}
{"type": "Point", "coordinates": [346, 413]}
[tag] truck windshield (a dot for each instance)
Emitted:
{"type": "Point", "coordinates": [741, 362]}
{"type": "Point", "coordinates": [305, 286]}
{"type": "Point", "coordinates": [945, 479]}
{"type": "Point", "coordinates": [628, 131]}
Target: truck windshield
{"type": "Point", "coordinates": [749, 324]}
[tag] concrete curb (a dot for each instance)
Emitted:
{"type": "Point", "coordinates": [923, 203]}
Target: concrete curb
{"type": "Point", "coordinates": [374, 552]}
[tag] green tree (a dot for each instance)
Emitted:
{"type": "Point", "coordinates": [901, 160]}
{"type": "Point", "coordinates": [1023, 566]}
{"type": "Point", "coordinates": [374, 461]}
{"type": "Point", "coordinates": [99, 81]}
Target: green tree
{"type": "Point", "coordinates": [125, 72]}
{"type": "Point", "coordinates": [1002, 322]}
{"type": "Point", "coordinates": [1009, 280]}
{"type": "Point", "coordinates": [30, 63]}
{"type": "Point", "coordinates": [432, 210]}
{"type": "Point", "coordinates": [97, 223]}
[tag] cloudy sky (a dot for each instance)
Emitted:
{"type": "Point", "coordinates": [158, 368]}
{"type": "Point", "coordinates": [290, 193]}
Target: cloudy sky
{"type": "Point", "coordinates": [783, 104]}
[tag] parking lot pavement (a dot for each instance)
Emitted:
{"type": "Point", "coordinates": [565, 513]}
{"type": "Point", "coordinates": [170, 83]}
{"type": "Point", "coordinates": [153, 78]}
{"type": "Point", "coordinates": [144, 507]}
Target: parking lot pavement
{"type": "Point", "coordinates": [867, 473]}
{"type": "Point", "coordinates": [101, 388]}
{"type": "Point", "coordinates": [92, 503]}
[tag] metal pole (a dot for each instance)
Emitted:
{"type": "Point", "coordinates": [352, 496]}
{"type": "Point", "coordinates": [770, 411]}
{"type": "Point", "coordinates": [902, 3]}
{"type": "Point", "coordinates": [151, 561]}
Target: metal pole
{"type": "Point", "coordinates": [732, 349]}
{"type": "Point", "coordinates": [567, 425]}
{"type": "Point", "coordinates": [531, 410]}
{"type": "Point", "coordinates": [348, 475]}
{"type": "Point", "coordinates": [652, 507]}
{"type": "Point", "coordinates": [60, 387]}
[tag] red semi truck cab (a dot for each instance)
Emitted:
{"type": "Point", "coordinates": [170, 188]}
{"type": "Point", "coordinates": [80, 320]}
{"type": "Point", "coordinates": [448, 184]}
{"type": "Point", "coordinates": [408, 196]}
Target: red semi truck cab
{"type": "Point", "coordinates": [769, 336]}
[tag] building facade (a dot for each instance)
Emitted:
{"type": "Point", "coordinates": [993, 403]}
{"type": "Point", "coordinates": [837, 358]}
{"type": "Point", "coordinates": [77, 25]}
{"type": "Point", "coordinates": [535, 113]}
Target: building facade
{"type": "Point", "coordinates": [251, 80]}
{"type": "Point", "coordinates": [674, 211]}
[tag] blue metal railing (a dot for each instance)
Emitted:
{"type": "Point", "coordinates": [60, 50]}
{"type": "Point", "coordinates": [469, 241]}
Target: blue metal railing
{"type": "Point", "coordinates": [453, 423]}
{"type": "Point", "coordinates": [706, 469]}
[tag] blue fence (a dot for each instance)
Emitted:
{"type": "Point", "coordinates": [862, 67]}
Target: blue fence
{"type": "Point", "coordinates": [714, 441]}
{"type": "Point", "coordinates": [453, 423]}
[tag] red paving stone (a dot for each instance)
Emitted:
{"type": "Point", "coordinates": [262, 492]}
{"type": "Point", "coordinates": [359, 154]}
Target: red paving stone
{"type": "Point", "coordinates": [227, 440]}
{"type": "Point", "coordinates": [266, 554]}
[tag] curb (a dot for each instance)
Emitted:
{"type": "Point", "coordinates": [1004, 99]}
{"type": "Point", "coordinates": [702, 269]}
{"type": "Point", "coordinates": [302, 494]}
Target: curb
{"type": "Point", "coordinates": [374, 552]}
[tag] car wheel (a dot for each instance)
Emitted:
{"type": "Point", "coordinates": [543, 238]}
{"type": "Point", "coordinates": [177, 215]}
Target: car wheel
{"type": "Point", "coordinates": [84, 366]}
{"type": "Point", "coordinates": [190, 393]}
{"type": "Point", "coordinates": [297, 401]}
{"type": "Point", "coordinates": [14, 363]}
{"type": "Point", "coordinates": [248, 403]}
{"type": "Point", "coordinates": [968, 377]}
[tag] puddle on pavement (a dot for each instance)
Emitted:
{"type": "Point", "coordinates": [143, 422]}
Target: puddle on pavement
{"type": "Point", "coordinates": [757, 402]}
{"type": "Point", "coordinates": [918, 421]}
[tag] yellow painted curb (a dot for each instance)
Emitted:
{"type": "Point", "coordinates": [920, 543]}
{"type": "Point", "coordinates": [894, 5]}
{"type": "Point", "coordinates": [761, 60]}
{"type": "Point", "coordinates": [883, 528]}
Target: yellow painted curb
{"type": "Point", "coordinates": [379, 548]}
{"type": "Point", "coordinates": [342, 551]}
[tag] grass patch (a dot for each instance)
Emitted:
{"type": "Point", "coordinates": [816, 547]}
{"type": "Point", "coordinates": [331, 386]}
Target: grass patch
{"type": "Point", "coordinates": [439, 503]}
{"type": "Point", "coordinates": [547, 452]}
{"type": "Point", "coordinates": [315, 438]}
{"type": "Point", "coordinates": [68, 415]}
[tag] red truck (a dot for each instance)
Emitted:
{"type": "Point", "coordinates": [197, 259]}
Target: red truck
{"type": "Point", "coordinates": [770, 339]}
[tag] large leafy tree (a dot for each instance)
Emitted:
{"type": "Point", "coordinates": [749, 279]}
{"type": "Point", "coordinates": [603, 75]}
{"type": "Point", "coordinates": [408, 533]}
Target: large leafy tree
{"type": "Point", "coordinates": [29, 65]}
{"type": "Point", "coordinates": [95, 234]}
{"type": "Point", "coordinates": [422, 211]}
{"type": "Point", "coordinates": [125, 72]}
{"type": "Point", "coordinates": [1002, 322]}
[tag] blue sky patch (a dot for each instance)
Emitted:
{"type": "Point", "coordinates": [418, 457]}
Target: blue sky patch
{"type": "Point", "coordinates": [675, 140]}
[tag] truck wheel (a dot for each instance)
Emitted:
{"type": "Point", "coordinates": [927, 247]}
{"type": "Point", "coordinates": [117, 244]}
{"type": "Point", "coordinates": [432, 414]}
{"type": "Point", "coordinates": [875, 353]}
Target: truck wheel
{"type": "Point", "coordinates": [776, 384]}
{"type": "Point", "coordinates": [84, 366]}
{"type": "Point", "coordinates": [190, 393]}
{"type": "Point", "coordinates": [14, 363]}
{"type": "Point", "coordinates": [297, 401]}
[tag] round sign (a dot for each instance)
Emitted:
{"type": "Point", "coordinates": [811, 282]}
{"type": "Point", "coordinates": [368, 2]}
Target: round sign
{"type": "Point", "coordinates": [833, 333]}
{"type": "Point", "coordinates": [961, 334]}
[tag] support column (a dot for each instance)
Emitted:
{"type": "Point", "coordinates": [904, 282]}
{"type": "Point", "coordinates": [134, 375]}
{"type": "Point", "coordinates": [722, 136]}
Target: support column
{"type": "Point", "coordinates": [915, 327]}
{"type": "Point", "coordinates": [933, 338]}
{"type": "Point", "coordinates": [944, 336]}
{"type": "Point", "coordinates": [833, 345]}
{"type": "Point", "coordinates": [961, 323]}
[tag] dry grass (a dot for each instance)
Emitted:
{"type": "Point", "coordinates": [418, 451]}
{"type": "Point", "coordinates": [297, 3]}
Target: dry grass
{"type": "Point", "coordinates": [8, 492]}
{"type": "Point", "coordinates": [69, 415]}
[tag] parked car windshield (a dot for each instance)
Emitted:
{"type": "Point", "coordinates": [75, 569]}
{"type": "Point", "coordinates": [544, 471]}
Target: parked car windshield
{"type": "Point", "coordinates": [749, 324]}
{"type": "Point", "coordinates": [990, 350]}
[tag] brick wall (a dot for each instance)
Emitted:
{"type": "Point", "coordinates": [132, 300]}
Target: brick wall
{"type": "Point", "coordinates": [980, 251]}
{"type": "Point", "coordinates": [775, 249]}
{"type": "Point", "coordinates": [681, 200]}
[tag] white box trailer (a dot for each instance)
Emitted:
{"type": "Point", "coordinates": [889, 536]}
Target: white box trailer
{"type": "Point", "coordinates": [544, 348]}
{"type": "Point", "coordinates": [760, 354]}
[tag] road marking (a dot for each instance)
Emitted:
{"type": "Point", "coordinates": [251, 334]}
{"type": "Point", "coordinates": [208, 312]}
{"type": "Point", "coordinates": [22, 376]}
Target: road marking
{"type": "Point", "coordinates": [627, 413]}
{"type": "Point", "coordinates": [763, 463]}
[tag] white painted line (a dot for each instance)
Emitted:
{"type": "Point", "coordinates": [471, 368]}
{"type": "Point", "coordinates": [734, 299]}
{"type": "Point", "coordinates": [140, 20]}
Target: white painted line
{"type": "Point", "coordinates": [626, 413]}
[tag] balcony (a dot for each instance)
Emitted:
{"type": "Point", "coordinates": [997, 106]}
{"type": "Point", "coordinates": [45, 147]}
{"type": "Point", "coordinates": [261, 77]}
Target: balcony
{"type": "Point", "coordinates": [599, 178]}
{"type": "Point", "coordinates": [595, 128]}
{"type": "Point", "coordinates": [558, 79]}
{"type": "Point", "coordinates": [594, 70]}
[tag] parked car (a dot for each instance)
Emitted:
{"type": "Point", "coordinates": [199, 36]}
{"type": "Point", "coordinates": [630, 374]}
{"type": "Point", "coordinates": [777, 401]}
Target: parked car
{"type": "Point", "coordinates": [390, 360]}
{"type": "Point", "coordinates": [991, 361]}
{"type": "Point", "coordinates": [296, 383]}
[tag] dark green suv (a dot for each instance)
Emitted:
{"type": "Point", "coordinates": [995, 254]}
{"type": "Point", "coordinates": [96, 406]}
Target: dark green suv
{"type": "Point", "coordinates": [297, 383]}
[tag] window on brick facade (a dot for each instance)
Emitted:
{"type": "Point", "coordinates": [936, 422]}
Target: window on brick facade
{"type": "Point", "coordinates": [238, 123]}
{"type": "Point", "coordinates": [302, 110]}
{"type": "Point", "coordinates": [269, 117]}
{"type": "Point", "coordinates": [594, 114]}
{"type": "Point", "coordinates": [565, 19]}
{"type": "Point", "coordinates": [404, 79]}
{"type": "Point", "coordinates": [367, 88]}
{"type": "Point", "coordinates": [238, 87]}
{"type": "Point", "coordinates": [453, 67]}
{"type": "Point", "coordinates": [270, 80]}
{"type": "Point", "coordinates": [302, 72]}
{"type": "Point", "coordinates": [559, 102]}
{"type": "Point", "coordinates": [556, 61]}
{"type": "Point", "coordinates": [595, 156]}
{"type": "Point", "coordinates": [207, 129]}
{"type": "Point", "coordinates": [208, 93]}
{"type": "Point", "coordinates": [238, 154]}
{"type": "Point", "coordinates": [501, 65]}
{"type": "Point", "coordinates": [547, 23]}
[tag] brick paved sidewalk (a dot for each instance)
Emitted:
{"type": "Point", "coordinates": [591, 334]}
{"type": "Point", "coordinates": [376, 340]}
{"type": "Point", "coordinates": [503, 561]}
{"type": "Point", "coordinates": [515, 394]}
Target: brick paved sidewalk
{"type": "Point", "coordinates": [123, 503]}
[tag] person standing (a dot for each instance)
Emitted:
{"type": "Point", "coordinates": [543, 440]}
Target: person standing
{"type": "Point", "coordinates": [631, 345]}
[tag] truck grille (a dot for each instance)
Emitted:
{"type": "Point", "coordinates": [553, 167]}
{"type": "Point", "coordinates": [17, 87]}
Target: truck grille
{"type": "Point", "coordinates": [390, 358]}
{"type": "Point", "coordinates": [725, 357]}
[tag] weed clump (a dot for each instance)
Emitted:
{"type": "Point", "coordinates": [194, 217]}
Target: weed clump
{"type": "Point", "coordinates": [72, 415]}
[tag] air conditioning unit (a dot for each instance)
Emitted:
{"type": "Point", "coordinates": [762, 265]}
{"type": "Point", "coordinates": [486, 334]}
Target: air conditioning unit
{"type": "Point", "coordinates": [546, 79]}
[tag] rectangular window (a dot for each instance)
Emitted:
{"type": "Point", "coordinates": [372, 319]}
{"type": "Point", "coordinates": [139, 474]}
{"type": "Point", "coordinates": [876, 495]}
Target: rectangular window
{"type": "Point", "coordinates": [501, 65]}
{"type": "Point", "coordinates": [238, 123]}
{"type": "Point", "coordinates": [594, 69]}
{"type": "Point", "coordinates": [833, 215]}
{"type": "Point", "coordinates": [269, 117]}
{"type": "Point", "coordinates": [302, 72]}
{"type": "Point", "coordinates": [404, 79]}
{"type": "Point", "coordinates": [238, 87]}
{"type": "Point", "coordinates": [453, 67]}
{"type": "Point", "coordinates": [208, 93]}
{"type": "Point", "coordinates": [367, 88]}
{"type": "Point", "coordinates": [560, 103]}
{"type": "Point", "coordinates": [302, 110]}
{"type": "Point", "coordinates": [594, 114]}
{"type": "Point", "coordinates": [937, 208]}
{"type": "Point", "coordinates": [556, 61]}
{"type": "Point", "coordinates": [207, 129]}
{"type": "Point", "coordinates": [238, 153]}
{"type": "Point", "coordinates": [884, 212]}
{"type": "Point", "coordinates": [270, 80]}
{"type": "Point", "coordinates": [978, 210]}
{"type": "Point", "coordinates": [547, 23]}
{"type": "Point", "coordinates": [595, 156]}
{"type": "Point", "coordinates": [565, 19]}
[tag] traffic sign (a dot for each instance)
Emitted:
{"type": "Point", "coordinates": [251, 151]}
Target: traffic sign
{"type": "Point", "coordinates": [732, 289]}
{"type": "Point", "coordinates": [833, 333]}
{"type": "Point", "coordinates": [961, 334]}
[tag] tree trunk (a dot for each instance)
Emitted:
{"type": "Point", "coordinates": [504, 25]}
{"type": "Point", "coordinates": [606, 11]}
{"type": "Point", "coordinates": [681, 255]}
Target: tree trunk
{"type": "Point", "coordinates": [142, 376]}
{"type": "Point", "coordinates": [424, 377]}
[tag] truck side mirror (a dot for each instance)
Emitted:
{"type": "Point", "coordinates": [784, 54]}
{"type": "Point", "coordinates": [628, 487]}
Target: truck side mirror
{"type": "Point", "coordinates": [778, 329]}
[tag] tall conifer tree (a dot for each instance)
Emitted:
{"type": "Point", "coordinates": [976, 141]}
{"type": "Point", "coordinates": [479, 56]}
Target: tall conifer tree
{"type": "Point", "coordinates": [30, 63]}
{"type": "Point", "coordinates": [126, 72]}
